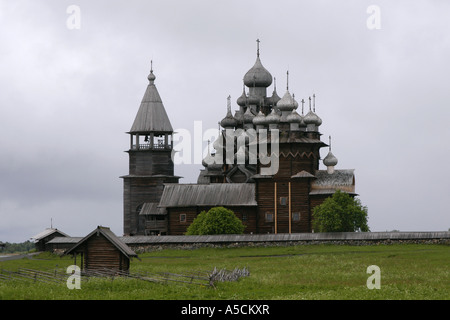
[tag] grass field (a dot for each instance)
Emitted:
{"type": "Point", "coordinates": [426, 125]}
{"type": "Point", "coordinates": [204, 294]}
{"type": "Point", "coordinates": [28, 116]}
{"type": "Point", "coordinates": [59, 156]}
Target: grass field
{"type": "Point", "coordinates": [310, 272]}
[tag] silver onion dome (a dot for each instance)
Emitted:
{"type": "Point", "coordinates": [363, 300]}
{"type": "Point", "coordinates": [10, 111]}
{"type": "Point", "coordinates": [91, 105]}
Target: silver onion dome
{"type": "Point", "coordinates": [272, 117]}
{"type": "Point", "coordinates": [286, 103]}
{"type": "Point", "coordinates": [259, 119]}
{"type": "Point", "coordinates": [229, 121]}
{"type": "Point", "coordinates": [242, 100]}
{"type": "Point", "coordinates": [330, 160]}
{"type": "Point", "coordinates": [258, 76]}
{"type": "Point", "coordinates": [294, 117]}
{"type": "Point", "coordinates": [312, 118]}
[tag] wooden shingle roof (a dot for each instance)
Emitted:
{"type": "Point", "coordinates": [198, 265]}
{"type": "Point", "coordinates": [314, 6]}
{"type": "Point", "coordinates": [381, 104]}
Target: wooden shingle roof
{"type": "Point", "coordinates": [48, 232]}
{"type": "Point", "coordinates": [215, 194]}
{"type": "Point", "coordinates": [151, 116]}
{"type": "Point", "coordinates": [108, 234]}
{"type": "Point", "coordinates": [328, 183]}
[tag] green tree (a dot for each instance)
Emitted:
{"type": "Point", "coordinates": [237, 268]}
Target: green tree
{"type": "Point", "coordinates": [340, 213]}
{"type": "Point", "coordinates": [217, 220]}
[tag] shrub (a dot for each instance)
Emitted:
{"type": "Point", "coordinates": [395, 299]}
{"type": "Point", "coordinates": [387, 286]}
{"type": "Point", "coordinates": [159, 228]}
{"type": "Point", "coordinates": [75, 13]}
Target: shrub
{"type": "Point", "coordinates": [340, 213]}
{"type": "Point", "coordinates": [217, 220]}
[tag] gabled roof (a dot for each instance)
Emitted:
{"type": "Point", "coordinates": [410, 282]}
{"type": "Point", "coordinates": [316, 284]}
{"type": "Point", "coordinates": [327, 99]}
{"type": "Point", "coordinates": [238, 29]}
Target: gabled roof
{"type": "Point", "coordinates": [108, 234]}
{"type": "Point", "coordinates": [215, 194]}
{"type": "Point", "coordinates": [151, 116]}
{"type": "Point", "coordinates": [48, 232]}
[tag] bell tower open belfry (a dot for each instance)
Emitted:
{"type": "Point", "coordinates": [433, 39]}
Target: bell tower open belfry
{"type": "Point", "coordinates": [150, 165]}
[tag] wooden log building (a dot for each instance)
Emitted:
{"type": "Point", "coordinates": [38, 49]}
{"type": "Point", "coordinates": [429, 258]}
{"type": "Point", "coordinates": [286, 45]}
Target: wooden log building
{"type": "Point", "coordinates": [42, 238]}
{"type": "Point", "coordinates": [269, 197]}
{"type": "Point", "coordinates": [102, 249]}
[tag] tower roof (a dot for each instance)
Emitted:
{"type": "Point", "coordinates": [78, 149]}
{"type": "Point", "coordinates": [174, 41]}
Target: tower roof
{"type": "Point", "coordinates": [151, 116]}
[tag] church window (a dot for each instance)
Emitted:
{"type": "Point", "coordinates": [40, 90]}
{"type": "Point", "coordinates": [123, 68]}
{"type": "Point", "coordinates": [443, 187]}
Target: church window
{"type": "Point", "coordinates": [269, 217]}
{"type": "Point", "coordinates": [183, 217]}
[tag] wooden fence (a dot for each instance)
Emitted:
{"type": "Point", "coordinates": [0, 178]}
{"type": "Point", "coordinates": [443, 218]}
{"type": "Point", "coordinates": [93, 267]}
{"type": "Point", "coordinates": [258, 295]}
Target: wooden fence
{"type": "Point", "coordinates": [205, 278]}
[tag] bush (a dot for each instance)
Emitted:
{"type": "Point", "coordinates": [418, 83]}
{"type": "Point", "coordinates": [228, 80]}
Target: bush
{"type": "Point", "coordinates": [340, 213]}
{"type": "Point", "coordinates": [217, 220]}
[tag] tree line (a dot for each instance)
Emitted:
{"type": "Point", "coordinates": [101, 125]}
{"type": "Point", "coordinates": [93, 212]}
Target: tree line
{"type": "Point", "coordinates": [26, 246]}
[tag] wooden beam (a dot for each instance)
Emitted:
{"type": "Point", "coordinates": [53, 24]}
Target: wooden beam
{"type": "Point", "coordinates": [275, 200]}
{"type": "Point", "coordinates": [290, 214]}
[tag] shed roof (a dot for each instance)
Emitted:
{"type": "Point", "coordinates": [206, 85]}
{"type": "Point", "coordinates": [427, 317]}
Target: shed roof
{"type": "Point", "coordinates": [151, 208]}
{"type": "Point", "coordinates": [108, 234]}
{"type": "Point", "coordinates": [216, 194]}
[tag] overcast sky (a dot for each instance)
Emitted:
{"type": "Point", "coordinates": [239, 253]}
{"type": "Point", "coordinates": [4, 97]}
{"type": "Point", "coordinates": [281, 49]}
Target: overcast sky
{"type": "Point", "coordinates": [68, 95]}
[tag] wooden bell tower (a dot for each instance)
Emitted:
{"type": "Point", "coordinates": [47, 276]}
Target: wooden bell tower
{"type": "Point", "coordinates": [150, 164]}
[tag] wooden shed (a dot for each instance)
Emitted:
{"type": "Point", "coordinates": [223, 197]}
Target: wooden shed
{"type": "Point", "coordinates": [102, 249]}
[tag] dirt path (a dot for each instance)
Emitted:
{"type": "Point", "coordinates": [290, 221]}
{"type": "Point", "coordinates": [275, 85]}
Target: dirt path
{"type": "Point", "coordinates": [17, 256]}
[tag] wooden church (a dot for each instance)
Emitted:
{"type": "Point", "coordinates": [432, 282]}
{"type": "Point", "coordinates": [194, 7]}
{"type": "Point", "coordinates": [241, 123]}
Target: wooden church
{"type": "Point", "coordinates": [269, 196]}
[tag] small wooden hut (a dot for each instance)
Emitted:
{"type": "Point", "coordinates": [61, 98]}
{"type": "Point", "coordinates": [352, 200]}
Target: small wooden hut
{"type": "Point", "coordinates": [102, 249]}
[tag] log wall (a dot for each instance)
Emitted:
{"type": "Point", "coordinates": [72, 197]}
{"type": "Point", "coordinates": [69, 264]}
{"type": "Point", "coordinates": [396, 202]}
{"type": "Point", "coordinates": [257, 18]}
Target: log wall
{"type": "Point", "coordinates": [100, 253]}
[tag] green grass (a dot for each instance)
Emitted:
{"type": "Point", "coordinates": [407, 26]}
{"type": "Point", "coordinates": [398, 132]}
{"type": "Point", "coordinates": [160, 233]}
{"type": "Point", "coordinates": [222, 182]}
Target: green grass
{"type": "Point", "coordinates": [283, 273]}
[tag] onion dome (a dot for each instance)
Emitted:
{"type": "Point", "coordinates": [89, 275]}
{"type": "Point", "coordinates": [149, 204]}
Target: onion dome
{"type": "Point", "coordinates": [330, 160]}
{"type": "Point", "coordinates": [259, 119]}
{"type": "Point", "coordinates": [229, 121]}
{"type": "Point", "coordinates": [275, 97]}
{"type": "Point", "coordinates": [248, 116]}
{"type": "Point", "coordinates": [273, 117]}
{"type": "Point", "coordinates": [294, 117]}
{"type": "Point", "coordinates": [286, 103]}
{"type": "Point", "coordinates": [242, 100]}
{"type": "Point", "coordinates": [208, 160]}
{"type": "Point", "coordinates": [151, 77]}
{"type": "Point", "coordinates": [312, 118]}
{"type": "Point", "coordinates": [258, 76]}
